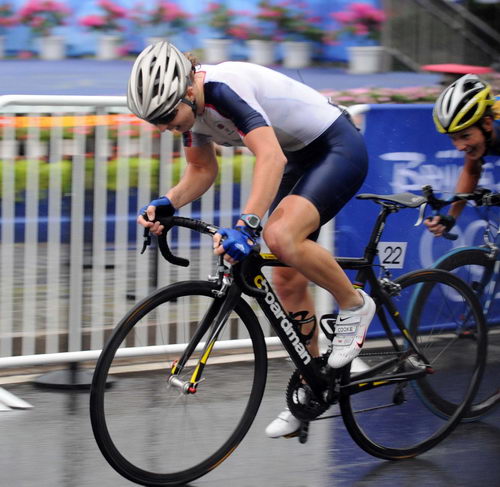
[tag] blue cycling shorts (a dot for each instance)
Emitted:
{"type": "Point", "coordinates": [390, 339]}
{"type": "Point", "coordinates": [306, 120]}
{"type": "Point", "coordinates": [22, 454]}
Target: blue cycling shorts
{"type": "Point", "coordinates": [328, 172]}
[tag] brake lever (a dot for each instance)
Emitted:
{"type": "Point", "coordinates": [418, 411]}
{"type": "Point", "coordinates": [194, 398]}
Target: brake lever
{"type": "Point", "coordinates": [421, 215]}
{"type": "Point", "coordinates": [147, 240]}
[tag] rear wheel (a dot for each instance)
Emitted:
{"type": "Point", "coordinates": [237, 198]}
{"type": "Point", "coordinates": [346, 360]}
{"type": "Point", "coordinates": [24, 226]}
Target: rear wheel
{"type": "Point", "coordinates": [480, 271]}
{"type": "Point", "coordinates": [154, 432]}
{"type": "Point", "coordinates": [390, 420]}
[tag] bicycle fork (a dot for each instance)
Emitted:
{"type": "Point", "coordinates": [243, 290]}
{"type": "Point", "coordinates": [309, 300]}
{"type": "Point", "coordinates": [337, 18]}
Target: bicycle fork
{"type": "Point", "coordinates": [215, 318]}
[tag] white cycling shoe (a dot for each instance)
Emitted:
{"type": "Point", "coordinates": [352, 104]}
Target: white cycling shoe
{"type": "Point", "coordinates": [350, 332]}
{"type": "Point", "coordinates": [286, 424]}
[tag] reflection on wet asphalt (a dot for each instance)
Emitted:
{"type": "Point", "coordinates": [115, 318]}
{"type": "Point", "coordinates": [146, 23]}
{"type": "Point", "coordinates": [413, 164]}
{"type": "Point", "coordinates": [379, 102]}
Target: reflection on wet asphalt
{"type": "Point", "coordinates": [53, 445]}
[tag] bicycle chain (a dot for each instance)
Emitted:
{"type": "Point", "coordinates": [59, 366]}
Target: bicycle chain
{"type": "Point", "coordinates": [376, 354]}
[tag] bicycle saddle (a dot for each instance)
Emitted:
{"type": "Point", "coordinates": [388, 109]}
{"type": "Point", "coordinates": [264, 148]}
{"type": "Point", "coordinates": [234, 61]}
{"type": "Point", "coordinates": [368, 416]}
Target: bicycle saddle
{"type": "Point", "coordinates": [408, 200]}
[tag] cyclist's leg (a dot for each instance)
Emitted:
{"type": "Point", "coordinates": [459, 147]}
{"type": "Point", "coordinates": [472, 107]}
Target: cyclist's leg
{"type": "Point", "coordinates": [336, 165]}
{"type": "Point", "coordinates": [293, 291]}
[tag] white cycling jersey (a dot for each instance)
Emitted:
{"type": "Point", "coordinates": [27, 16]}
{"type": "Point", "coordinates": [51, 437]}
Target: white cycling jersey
{"type": "Point", "coordinates": [240, 97]}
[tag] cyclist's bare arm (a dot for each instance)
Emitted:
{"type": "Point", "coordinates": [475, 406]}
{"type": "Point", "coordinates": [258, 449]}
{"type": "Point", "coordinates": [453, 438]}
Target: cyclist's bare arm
{"type": "Point", "coordinates": [467, 183]}
{"type": "Point", "coordinates": [269, 165]}
{"type": "Point", "coordinates": [200, 174]}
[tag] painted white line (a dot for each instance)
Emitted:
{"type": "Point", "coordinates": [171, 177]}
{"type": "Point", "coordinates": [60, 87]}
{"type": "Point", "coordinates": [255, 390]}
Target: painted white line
{"type": "Point", "coordinates": [12, 401]}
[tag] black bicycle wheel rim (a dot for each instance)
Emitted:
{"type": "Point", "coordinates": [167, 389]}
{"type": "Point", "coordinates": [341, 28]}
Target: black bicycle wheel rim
{"type": "Point", "coordinates": [98, 404]}
{"type": "Point", "coordinates": [402, 426]}
{"type": "Point", "coordinates": [459, 263]}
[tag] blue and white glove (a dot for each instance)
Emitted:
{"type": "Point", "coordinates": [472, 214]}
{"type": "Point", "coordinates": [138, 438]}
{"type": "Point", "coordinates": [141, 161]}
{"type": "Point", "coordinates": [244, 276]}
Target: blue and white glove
{"type": "Point", "coordinates": [236, 242]}
{"type": "Point", "coordinates": [163, 205]}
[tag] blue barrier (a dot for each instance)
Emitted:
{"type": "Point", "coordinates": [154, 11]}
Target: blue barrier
{"type": "Point", "coordinates": [407, 153]}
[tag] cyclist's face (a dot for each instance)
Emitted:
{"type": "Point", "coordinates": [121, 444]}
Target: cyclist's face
{"type": "Point", "coordinates": [470, 140]}
{"type": "Point", "coordinates": [182, 122]}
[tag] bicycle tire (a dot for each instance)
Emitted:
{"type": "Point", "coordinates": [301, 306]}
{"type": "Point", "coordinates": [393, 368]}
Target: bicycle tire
{"type": "Point", "coordinates": [475, 267]}
{"type": "Point", "coordinates": [149, 440]}
{"type": "Point", "coordinates": [391, 422]}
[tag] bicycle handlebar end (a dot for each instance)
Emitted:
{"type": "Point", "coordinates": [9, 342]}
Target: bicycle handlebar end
{"type": "Point", "coordinates": [450, 236]}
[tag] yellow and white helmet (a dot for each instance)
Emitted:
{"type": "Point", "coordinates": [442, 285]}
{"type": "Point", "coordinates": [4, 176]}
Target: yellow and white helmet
{"type": "Point", "coordinates": [158, 81]}
{"type": "Point", "coordinates": [462, 104]}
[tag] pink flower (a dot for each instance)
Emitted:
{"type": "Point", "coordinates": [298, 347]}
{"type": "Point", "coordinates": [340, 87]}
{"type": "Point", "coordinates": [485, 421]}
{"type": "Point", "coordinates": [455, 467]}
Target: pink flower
{"type": "Point", "coordinates": [25, 55]}
{"type": "Point", "coordinates": [361, 29]}
{"type": "Point", "coordinates": [343, 17]}
{"type": "Point", "coordinates": [92, 21]}
{"type": "Point", "coordinates": [239, 32]}
{"type": "Point", "coordinates": [361, 19]}
{"type": "Point", "coordinates": [269, 13]}
{"type": "Point", "coordinates": [213, 6]}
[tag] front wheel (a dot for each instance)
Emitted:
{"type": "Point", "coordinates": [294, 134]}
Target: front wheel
{"type": "Point", "coordinates": [153, 431]}
{"type": "Point", "coordinates": [392, 419]}
{"type": "Point", "coordinates": [478, 269]}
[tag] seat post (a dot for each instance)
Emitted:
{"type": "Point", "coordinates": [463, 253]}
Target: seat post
{"type": "Point", "coordinates": [378, 228]}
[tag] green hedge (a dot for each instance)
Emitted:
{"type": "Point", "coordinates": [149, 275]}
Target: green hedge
{"type": "Point", "coordinates": [65, 166]}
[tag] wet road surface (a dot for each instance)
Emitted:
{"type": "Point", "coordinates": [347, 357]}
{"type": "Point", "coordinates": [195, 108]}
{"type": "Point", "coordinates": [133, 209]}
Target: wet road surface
{"type": "Point", "coordinates": [52, 444]}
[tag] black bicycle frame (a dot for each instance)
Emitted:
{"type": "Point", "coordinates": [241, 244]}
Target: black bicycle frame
{"type": "Point", "coordinates": [248, 278]}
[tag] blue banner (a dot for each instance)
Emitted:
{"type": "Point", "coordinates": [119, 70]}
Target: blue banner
{"type": "Point", "coordinates": [405, 154]}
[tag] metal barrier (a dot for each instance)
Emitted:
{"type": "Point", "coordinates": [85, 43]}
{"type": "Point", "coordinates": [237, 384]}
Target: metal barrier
{"type": "Point", "coordinates": [74, 170]}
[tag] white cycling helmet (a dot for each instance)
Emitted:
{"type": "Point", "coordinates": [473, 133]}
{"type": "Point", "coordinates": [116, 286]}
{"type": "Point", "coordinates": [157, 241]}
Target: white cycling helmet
{"type": "Point", "coordinates": [158, 81]}
{"type": "Point", "coordinates": [462, 104]}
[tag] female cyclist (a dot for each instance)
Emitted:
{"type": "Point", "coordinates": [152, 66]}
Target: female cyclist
{"type": "Point", "coordinates": [464, 111]}
{"type": "Point", "coordinates": [309, 161]}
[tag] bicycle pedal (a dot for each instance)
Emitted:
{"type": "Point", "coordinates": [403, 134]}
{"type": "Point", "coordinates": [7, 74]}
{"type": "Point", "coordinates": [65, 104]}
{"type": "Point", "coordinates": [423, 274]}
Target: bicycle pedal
{"type": "Point", "coordinates": [303, 432]}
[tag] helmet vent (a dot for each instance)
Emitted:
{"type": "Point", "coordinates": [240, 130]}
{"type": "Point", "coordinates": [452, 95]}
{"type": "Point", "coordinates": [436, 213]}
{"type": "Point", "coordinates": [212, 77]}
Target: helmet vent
{"type": "Point", "coordinates": [155, 87]}
{"type": "Point", "coordinates": [139, 87]}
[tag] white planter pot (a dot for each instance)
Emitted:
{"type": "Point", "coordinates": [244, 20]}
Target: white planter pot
{"type": "Point", "coordinates": [261, 52]}
{"type": "Point", "coordinates": [51, 48]}
{"type": "Point", "coordinates": [216, 50]}
{"type": "Point", "coordinates": [107, 47]}
{"type": "Point", "coordinates": [296, 54]}
{"type": "Point", "coordinates": [366, 59]}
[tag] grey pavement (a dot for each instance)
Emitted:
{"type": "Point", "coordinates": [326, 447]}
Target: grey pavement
{"type": "Point", "coordinates": [52, 445]}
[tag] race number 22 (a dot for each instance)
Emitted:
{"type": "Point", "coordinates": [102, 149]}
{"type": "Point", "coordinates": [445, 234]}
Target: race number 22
{"type": "Point", "coordinates": [392, 254]}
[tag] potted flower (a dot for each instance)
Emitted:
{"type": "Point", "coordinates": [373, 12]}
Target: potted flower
{"type": "Point", "coordinates": [108, 23]}
{"type": "Point", "coordinates": [42, 16]}
{"type": "Point", "coordinates": [7, 19]}
{"type": "Point", "coordinates": [363, 23]}
{"type": "Point", "coordinates": [222, 22]}
{"type": "Point", "coordinates": [168, 20]}
{"type": "Point", "coordinates": [295, 27]}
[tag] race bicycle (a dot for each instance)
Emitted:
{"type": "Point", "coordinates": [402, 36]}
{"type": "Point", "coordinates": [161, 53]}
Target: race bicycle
{"type": "Point", "coordinates": [479, 266]}
{"type": "Point", "coordinates": [194, 418]}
